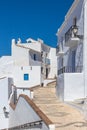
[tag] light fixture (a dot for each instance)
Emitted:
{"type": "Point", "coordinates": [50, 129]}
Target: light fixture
{"type": "Point", "coordinates": [75, 30]}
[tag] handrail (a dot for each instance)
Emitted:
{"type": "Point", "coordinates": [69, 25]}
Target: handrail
{"type": "Point", "coordinates": [37, 110]}
{"type": "Point", "coordinates": [70, 69]}
{"type": "Point", "coordinates": [43, 117]}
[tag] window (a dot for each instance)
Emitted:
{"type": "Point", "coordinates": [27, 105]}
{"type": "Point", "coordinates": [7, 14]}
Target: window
{"type": "Point", "coordinates": [34, 56]}
{"type": "Point", "coordinates": [26, 76]}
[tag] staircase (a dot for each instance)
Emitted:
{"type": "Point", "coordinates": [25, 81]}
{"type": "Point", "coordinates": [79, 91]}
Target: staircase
{"type": "Point", "coordinates": [64, 117]}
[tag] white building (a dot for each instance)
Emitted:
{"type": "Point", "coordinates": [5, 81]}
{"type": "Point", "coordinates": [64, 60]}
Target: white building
{"type": "Point", "coordinates": [29, 65]}
{"type": "Point", "coordinates": [32, 58]}
{"type": "Point", "coordinates": [72, 53]}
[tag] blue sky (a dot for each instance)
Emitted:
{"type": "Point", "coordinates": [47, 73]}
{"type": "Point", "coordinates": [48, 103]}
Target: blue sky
{"type": "Point", "coordinates": [30, 18]}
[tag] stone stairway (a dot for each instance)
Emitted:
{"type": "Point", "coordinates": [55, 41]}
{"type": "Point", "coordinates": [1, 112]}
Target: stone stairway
{"type": "Point", "coordinates": [62, 115]}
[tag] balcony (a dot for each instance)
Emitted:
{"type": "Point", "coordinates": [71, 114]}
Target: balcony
{"type": "Point", "coordinates": [59, 51]}
{"type": "Point", "coordinates": [70, 69]}
{"type": "Point", "coordinates": [71, 37]}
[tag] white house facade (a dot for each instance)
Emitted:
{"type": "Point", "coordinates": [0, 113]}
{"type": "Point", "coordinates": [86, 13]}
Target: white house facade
{"type": "Point", "coordinates": [72, 53]}
{"type": "Point", "coordinates": [28, 66]}
{"type": "Point", "coordinates": [32, 58]}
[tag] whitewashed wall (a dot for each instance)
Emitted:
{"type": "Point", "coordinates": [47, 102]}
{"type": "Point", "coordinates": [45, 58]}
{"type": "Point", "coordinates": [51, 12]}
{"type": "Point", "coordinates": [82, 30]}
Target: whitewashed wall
{"type": "Point", "coordinates": [24, 114]}
{"type": "Point", "coordinates": [53, 63]}
{"type": "Point", "coordinates": [34, 76]}
{"type": "Point", "coordinates": [5, 90]}
{"type": "Point", "coordinates": [70, 86]}
{"type": "Point", "coordinates": [23, 91]}
{"type": "Point", "coordinates": [79, 14]}
{"type": "Point", "coordinates": [73, 86]}
{"type": "Point", "coordinates": [20, 55]}
{"type": "Point", "coordinates": [60, 87]}
{"type": "Point", "coordinates": [6, 66]}
{"type": "Point", "coordinates": [85, 47]}
{"type": "Point", "coordinates": [3, 102]}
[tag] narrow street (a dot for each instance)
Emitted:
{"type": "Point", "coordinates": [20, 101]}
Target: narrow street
{"type": "Point", "coordinates": [62, 115]}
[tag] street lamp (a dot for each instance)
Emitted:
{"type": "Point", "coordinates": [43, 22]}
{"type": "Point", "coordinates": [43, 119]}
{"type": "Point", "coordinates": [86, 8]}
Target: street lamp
{"type": "Point", "coordinates": [75, 30]}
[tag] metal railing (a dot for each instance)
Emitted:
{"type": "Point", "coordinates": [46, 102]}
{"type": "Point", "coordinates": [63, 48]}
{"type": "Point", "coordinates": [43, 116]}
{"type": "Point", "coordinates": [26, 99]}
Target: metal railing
{"type": "Point", "coordinates": [36, 124]}
{"type": "Point", "coordinates": [70, 69]}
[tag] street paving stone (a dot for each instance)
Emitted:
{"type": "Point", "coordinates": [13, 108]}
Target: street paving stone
{"type": "Point", "coordinates": [64, 116]}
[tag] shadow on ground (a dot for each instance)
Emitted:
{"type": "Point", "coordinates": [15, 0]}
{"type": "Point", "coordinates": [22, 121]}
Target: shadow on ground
{"type": "Point", "coordinates": [76, 124]}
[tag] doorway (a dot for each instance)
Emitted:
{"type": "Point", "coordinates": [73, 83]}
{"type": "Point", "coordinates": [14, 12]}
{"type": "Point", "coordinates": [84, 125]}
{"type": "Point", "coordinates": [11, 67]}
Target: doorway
{"type": "Point", "coordinates": [47, 71]}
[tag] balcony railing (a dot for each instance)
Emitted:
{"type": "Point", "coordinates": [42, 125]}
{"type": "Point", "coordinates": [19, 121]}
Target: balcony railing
{"type": "Point", "coordinates": [70, 69]}
{"type": "Point", "coordinates": [31, 125]}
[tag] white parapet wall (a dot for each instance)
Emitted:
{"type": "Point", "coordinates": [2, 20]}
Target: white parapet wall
{"type": "Point", "coordinates": [52, 127]}
{"type": "Point", "coordinates": [5, 90]}
{"type": "Point", "coordinates": [27, 112]}
{"type": "Point", "coordinates": [70, 86]}
{"type": "Point", "coordinates": [53, 63]}
{"type": "Point", "coordinates": [74, 84]}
